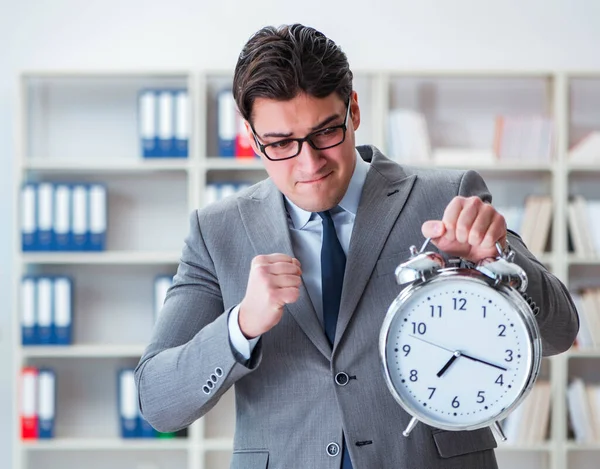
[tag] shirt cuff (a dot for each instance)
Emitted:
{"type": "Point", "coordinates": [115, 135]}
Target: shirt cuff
{"type": "Point", "coordinates": [243, 346]}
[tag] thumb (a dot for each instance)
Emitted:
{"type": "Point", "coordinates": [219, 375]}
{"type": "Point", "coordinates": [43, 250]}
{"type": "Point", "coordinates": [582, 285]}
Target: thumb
{"type": "Point", "coordinates": [433, 229]}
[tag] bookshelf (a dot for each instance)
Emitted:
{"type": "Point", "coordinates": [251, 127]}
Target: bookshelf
{"type": "Point", "coordinates": [82, 126]}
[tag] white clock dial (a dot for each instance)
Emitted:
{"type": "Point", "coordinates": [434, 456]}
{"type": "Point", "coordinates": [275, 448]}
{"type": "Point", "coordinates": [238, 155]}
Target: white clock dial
{"type": "Point", "coordinates": [458, 354]}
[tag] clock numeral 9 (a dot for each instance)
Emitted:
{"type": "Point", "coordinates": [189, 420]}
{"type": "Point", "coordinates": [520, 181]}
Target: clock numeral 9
{"type": "Point", "coordinates": [420, 328]}
{"type": "Point", "coordinates": [509, 358]}
{"type": "Point", "coordinates": [455, 402]}
{"type": "Point", "coordinates": [502, 328]}
{"type": "Point", "coordinates": [480, 397]}
{"type": "Point", "coordinates": [406, 349]}
{"type": "Point", "coordinates": [413, 375]}
{"type": "Point", "coordinates": [459, 304]}
{"type": "Point", "coordinates": [433, 309]}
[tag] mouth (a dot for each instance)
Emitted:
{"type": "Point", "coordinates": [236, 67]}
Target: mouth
{"type": "Point", "coordinates": [316, 180]}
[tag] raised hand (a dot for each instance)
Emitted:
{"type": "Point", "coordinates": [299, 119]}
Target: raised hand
{"type": "Point", "coordinates": [273, 282]}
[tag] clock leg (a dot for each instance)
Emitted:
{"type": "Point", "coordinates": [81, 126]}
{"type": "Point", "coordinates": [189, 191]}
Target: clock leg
{"type": "Point", "coordinates": [413, 422]}
{"type": "Point", "coordinates": [498, 429]}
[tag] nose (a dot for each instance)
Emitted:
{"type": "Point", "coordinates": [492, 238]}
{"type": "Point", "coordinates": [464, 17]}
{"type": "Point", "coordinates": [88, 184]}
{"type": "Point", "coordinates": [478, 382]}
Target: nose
{"type": "Point", "coordinates": [309, 159]}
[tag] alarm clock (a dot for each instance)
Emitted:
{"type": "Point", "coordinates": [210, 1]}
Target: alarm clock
{"type": "Point", "coordinates": [460, 345]}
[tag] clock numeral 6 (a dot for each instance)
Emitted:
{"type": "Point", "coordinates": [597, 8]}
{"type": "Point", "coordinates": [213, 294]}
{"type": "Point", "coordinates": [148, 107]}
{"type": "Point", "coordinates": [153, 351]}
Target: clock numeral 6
{"type": "Point", "coordinates": [455, 402]}
{"type": "Point", "coordinates": [480, 397]}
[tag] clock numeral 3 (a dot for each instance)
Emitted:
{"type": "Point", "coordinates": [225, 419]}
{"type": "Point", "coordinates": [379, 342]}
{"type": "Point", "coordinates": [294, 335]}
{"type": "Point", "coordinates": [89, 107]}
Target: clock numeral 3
{"type": "Point", "coordinates": [509, 358]}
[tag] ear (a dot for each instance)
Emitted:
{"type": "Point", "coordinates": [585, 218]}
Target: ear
{"type": "Point", "coordinates": [354, 110]}
{"type": "Point", "coordinates": [251, 138]}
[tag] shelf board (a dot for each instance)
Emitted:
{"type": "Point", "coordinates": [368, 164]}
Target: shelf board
{"type": "Point", "coordinates": [214, 162]}
{"type": "Point", "coordinates": [218, 444]}
{"type": "Point", "coordinates": [83, 351]}
{"type": "Point", "coordinates": [102, 258]}
{"type": "Point", "coordinates": [584, 353]}
{"type": "Point", "coordinates": [574, 259]}
{"type": "Point", "coordinates": [537, 447]}
{"type": "Point", "coordinates": [584, 168]}
{"type": "Point", "coordinates": [108, 165]}
{"type": "Point", "coordinates": [29, 74]}
{"type": "Point", "coordinates": [573, 446]}
{"type": "Point", "coordinates": [106, 444]}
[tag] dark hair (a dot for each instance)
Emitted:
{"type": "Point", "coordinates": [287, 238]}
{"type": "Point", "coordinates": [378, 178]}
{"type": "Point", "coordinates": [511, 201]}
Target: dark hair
{"type": "Point", "coordinates": [280, 63]}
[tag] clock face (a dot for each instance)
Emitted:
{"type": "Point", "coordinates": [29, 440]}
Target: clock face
{"type": "Point", "coordinates": [457, 353]}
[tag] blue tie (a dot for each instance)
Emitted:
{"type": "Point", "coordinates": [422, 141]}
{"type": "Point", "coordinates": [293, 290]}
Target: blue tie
{"type": "Point", "coordinates": [333, 265]}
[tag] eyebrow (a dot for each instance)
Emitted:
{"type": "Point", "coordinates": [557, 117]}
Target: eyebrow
{"type": "Point", "coordinates": [320, 125]}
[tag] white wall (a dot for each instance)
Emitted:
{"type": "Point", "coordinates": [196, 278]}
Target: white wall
{"type": "Point", "coordinates": [196, 34]}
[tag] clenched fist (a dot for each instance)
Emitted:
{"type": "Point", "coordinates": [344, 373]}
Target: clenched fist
{"type": "Point", "coordinates": [274, 281]}
{"type": "Point", "coordinates": [469, 229]}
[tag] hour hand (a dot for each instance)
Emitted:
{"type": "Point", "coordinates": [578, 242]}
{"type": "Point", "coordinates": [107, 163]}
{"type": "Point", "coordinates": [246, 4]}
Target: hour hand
{"type": "Point", "coordinates": [447, 365]}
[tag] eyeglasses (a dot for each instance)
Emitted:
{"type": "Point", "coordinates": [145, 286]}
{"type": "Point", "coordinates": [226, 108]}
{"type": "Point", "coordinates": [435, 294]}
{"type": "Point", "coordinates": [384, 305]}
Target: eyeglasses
{"type": "Point", "coordinates": [318, 140]}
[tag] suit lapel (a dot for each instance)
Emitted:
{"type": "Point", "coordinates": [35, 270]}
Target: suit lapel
{"type": "Point", "coordinates": [384, 194]}
{"type": "Point", "coordinates": [265, 220]}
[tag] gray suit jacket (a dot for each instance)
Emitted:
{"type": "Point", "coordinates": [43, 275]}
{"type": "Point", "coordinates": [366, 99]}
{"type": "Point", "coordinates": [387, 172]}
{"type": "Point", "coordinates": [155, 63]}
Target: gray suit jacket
{"type": "Point", "coordinates": [289, 407]}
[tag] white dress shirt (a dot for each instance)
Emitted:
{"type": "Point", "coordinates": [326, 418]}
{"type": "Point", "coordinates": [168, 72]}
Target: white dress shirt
{"type": "Point", "coordinates": [305, 232]}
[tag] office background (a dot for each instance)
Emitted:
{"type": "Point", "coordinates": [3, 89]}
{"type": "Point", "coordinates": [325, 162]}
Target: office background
{"type": "Point", "coordinates": [186, 34]}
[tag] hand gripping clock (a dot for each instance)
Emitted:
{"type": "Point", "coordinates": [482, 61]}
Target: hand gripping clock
{"type": "Point", "coordinates": [460, 346]}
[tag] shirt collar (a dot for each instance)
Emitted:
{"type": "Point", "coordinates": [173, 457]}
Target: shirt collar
{"type": "Point", "coordinates": [349, 202]}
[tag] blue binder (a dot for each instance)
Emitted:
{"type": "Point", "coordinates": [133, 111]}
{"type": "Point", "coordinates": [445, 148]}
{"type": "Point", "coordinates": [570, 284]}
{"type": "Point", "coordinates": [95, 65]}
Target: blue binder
{"type": "Point", "coordinates": [28, 311]}
{"type": "Point", "coordinates": [182, 124]}
{"type": "Point", "coordinates": [45, 216]}
{"type": "Point", "coordinates": [63, 310]}
{"type": "Point", "coordinates": [226, 126]}
{"type": "Point", "coordinates": [97, 200]}
{"type": "Point", "coordinates": [145, 429]}
{"type": "Point", "coordinates": [62, 217]}
{"type": "Point", "coordinates": [80, 221]}
{"type": "Point", "coordinates": [45, 310]}
{"type": "Point", "coordinates": [148, 122]}
{"type": "Point", "coordinates": [166, 123]}
{"type": "Point", "coordinates": [29, 217]}
{"type": "Point", "coordinates": [128, 404]}
{"type": "Point", "coordinates": [46, 403]}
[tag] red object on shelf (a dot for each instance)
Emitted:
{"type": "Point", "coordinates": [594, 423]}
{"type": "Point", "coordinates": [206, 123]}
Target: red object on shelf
{"type": "Point", "coordinates": [29, 412]}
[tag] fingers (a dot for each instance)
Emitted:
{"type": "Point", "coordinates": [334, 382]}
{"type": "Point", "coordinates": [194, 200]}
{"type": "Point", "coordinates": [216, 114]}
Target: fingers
{"type": "Point", "coordinates": [468, 221]}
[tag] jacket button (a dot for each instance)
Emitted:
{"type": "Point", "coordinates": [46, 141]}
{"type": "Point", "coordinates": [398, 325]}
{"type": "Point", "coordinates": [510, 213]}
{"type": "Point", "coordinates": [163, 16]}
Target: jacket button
{"type": "Point", "coordinates": [341, 379]}
{"type": "Point", "coordinates": [333, 449]}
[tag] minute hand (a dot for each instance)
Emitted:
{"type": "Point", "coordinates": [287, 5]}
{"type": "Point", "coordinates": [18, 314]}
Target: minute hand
{"type": "Point", "coordinates": [483, 361]}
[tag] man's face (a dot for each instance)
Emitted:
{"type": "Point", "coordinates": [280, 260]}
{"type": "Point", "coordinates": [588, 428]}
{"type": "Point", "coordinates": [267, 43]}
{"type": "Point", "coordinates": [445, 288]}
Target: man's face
{"type": "Point", "coordinates": [315, 180]}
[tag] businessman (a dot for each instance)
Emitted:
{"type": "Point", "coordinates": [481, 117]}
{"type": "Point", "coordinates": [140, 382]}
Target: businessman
{"type": "Point", "coordinates": [282, 289]}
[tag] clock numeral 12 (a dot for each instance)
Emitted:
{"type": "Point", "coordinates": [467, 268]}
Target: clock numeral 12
{"type": "Point", "coordinates": [461, 306]}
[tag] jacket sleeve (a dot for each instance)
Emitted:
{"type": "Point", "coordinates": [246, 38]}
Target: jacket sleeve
{"type": "Point", "coordinates": [557, 318]}
{"type": "Point", "coordinates": [190, 361]}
